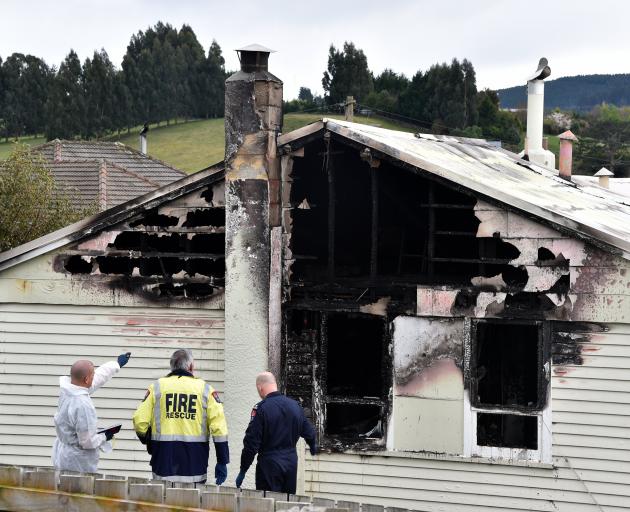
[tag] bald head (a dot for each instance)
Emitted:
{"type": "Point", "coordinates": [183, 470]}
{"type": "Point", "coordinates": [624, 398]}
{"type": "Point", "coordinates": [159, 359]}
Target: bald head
{"type": "Point", "coordinates": [82, 373]}
{"type": "Point", "coordinates": [265, 384]}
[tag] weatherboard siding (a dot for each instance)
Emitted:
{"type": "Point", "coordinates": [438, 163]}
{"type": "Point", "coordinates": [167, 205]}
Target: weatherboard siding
{"type": "Point", "coordinates": [38, 343]}
{"type": "Point", "coordinates": [591, 453]}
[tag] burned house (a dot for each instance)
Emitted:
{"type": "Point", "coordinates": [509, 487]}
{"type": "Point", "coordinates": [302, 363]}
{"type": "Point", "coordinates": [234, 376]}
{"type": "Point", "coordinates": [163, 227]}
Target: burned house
{"type": "Point", "coordinates": [454, 319]}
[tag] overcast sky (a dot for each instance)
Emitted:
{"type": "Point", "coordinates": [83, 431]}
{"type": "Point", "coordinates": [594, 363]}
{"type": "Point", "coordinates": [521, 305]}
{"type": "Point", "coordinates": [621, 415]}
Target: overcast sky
{"type": "Point", "coordinates": [503, 39]}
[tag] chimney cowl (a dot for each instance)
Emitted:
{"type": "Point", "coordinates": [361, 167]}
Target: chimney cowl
{"type": "Point", "coordinates": [254, 57]}
{"type": "Point", "coordinates": [603, 176]}
{"type": "Point", "coordinates": [568, 135]}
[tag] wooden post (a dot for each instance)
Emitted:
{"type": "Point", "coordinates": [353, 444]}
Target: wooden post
{"type": "Point", "coordinates": [349, 110]}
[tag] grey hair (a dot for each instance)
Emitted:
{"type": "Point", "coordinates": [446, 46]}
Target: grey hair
{"type": "Point", "coordinates": [181, 359]}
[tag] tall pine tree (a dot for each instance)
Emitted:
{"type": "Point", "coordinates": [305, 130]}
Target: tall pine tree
{"type": "Point", "coordinates": [65, 107]}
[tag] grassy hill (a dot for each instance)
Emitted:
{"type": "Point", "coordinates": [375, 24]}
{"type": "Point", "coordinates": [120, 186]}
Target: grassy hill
{"type": "Point", "coordinates": [194, 145]}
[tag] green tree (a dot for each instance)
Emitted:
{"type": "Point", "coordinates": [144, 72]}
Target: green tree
{"type": "Point", "coordinates": [65, 106]}
{"type": "Point", "coordinates": [347, 74]}
{"type": "Point", "coordinates": [98, 82]}
{"type": "Point", "coordinates": [213, 96]}
{"type": "Point", "coordinates": [37, 205]}
{"type": "Point", "coordinates": [605, 141]}
{"type": "Point", "coordinates": [305, 95]}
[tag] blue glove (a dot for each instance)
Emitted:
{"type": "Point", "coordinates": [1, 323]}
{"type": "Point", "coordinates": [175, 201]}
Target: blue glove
{"type": "Point", "coordinates": [109, 434]}
{"type": "Point", "coordinates": [220, 473]}
{"type": "Point", "coordinates": [313, 449]}
{"type": "Point", "coordinates": [240, 478]}
{"type": "Point", "coordinates": [123, 359]}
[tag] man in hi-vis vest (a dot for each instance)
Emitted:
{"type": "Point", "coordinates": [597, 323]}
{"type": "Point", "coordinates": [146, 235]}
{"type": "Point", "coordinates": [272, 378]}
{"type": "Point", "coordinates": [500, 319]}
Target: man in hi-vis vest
{"type": "Point", "coordinates": [176, 419]}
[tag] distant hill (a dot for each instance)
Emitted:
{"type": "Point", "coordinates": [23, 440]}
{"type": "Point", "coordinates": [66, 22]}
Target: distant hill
{"type": "Point", "coordinates": [582, 92]}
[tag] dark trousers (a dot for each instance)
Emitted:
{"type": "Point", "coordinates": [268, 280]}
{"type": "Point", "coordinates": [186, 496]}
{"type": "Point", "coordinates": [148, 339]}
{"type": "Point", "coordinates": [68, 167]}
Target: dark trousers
{"type": "Point", "coordinates": [277, 472]}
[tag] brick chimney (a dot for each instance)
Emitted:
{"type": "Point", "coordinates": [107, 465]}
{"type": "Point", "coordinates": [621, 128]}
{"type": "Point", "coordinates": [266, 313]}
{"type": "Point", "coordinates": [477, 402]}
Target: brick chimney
{"type": "Point", "coordinates": [253, 119]}
{"type": "Point", "coordinates": [566, 154]}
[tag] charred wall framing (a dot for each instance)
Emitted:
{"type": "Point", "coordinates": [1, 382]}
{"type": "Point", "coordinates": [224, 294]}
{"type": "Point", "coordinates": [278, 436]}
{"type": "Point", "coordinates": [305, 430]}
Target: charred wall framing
{"type": "Point", "coordinates": [174, 251]}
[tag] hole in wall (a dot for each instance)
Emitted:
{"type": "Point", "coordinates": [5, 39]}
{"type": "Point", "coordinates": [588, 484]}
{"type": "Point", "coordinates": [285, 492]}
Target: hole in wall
{"type": "Point", "coordinates": [78, 265]}
{"type": "Point", "coordinates": [205, 217]}
{"type": "Point", "coordinates": [115, 265]}
{"type": "Point", "coordinates": [155, 219]}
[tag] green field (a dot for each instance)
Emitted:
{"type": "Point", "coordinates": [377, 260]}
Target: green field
{"type": "Point", "coordinates": [194, 145]}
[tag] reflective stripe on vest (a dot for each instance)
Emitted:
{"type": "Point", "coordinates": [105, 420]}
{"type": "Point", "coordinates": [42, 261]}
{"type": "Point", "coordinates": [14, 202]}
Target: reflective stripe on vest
{"type": "Point", "coordinates": [157, 415]}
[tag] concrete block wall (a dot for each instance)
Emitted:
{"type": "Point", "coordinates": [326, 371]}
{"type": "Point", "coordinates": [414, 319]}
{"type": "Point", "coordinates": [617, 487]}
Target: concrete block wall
{"type": "Point", "coordinates": [35, 488]}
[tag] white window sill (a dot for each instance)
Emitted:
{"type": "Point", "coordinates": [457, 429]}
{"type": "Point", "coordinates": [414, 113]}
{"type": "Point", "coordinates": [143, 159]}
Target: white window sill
{"type": "Point", "coordinates": [445, 457]}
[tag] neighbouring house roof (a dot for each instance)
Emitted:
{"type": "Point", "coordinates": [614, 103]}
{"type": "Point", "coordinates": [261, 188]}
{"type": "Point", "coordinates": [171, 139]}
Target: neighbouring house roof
{"type": "Point", "coordinates": [126, 173]}
{"type": "Point", "coordinates": [493, 174]}
{"type": "Point", "coordinates": [617, 186]}
{"type": "Point", "coordinates": [99, 184]}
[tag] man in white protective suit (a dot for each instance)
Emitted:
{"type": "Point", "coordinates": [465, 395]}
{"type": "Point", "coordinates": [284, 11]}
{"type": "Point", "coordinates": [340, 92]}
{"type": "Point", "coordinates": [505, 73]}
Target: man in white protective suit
{"type": "Point", "coordinates": [78, 442]}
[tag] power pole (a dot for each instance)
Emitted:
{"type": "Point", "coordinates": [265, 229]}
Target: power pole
{"type": "Point", "coordinates": [349, 108]}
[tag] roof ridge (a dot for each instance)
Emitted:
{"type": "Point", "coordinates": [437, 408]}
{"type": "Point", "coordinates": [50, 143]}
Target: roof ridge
{"type": "Point", "coordinates": [140, 153]}
{"type": "Point", "coordinates": [130, 172]}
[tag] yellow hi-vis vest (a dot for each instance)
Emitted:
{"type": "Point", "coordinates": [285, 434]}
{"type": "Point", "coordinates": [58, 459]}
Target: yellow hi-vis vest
{"type": "Point", "coordinates": [182, 412]}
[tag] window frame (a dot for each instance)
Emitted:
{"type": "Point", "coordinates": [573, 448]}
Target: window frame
{"type": "Point", "coordinates": [542, 410]}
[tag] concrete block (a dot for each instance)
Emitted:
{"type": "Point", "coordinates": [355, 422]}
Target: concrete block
{"type": "Point", "coordinates": [245, 504]}
{"type": "Point", "coordinates": [396, 509]}
{"type": "Point", "coordinates": [299, 498]}
{"type": "Point", "coordinates": [183, 485]}
{"type": "Point", "coordinates": [164, 483]}
{"type": "Point", "coordinates": [366, 507]}
{"type": "Point", "coordinates": [146, 492]}
{"type": "Point", "coordinates": [208, 487]}
{"type": "Point", "coordinates": [10, 475]}
{"type": "Point", "coordinates": [111, 488]}
{"type": "Point", "coordinates": [290, 506]}
{"type": "Point", "coordinates": [40, 480]}
{"type": "Point", "coordinates": [114, 477]}
{"type": "Point", "coordinates": [138, 480]}
{"type": "Point", "coordinates": [253, 493]}
{"type": "Point", "coordinates": [278, 496]}
{"type": "Point", "coordinates": [323, 502]}
{"type": "Point", "coordinates": [220, 502]}
{"type": "Point", "coordinates": [76, 484]}
{"type": "Point", "coordinates": [352, 506]}
{"type": "Point", "coordinates": [190, 498]}
{"type": "Point", "coordinates": [229, 489]}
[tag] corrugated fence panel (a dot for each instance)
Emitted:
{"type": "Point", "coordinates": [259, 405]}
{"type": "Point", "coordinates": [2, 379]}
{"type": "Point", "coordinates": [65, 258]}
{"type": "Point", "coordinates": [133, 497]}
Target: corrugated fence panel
{"type": "Point", "coordinates": [38, 343]}
{"type": "Point", "coordinates": [591, 447]}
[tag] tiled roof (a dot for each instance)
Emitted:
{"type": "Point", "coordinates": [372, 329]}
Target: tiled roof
{"type": "Point", "coordinates": [76, 164]}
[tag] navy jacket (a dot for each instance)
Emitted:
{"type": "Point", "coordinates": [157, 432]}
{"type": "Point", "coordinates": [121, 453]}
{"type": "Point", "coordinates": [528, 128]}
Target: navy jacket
{"type": "Point", "coordinates": [274, 429]}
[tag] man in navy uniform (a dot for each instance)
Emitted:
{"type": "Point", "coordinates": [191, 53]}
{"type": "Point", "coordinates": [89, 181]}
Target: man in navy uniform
{"type": "Point", "coordinates": [274, 429]}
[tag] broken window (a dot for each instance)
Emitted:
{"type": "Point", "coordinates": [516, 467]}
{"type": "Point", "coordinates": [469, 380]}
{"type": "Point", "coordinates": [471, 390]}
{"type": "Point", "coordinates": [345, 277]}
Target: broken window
{"type": "Point", "coordinates": [347, 354]}
{"type": "Point", "coordinates": [508, 387]}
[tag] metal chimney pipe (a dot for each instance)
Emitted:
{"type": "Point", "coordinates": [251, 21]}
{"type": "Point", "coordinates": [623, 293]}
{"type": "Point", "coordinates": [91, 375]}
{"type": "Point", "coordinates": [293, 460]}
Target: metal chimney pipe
{"type": "Point", "coordinates": [143, 138]}
{"type": "Point", "coordinates": [566, 154]}
{"type": "Point", "coordinates": [535, 114]}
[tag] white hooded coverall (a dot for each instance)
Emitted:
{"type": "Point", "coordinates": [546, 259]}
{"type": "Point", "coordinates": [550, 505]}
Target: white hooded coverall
{"type": "Point", "coordinates": [77, 444]}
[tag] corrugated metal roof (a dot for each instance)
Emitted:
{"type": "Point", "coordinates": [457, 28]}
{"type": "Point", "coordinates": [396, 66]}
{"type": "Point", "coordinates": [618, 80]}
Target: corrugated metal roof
{"type": "Point", "coordinates": [500, 175]}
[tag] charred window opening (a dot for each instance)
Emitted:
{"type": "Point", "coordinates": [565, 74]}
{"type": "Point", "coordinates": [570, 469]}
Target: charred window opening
{"type": "Point", "coordinates": [173, 242]}
{"type": "Point", "coordinates": [78, 265]}
{"type": "Point", "coordinates": [156, 219]}
{"type": "Point", "coordinates": [208, 194]}
{"type": "Point", "coordinates": [354, 421]}
{"type": "Point", "coordinates": [515, 277]}
{"type": "Point", "coordinates": [507, 431]}
{"type": "Point", "coordinates": [375, 225]}
{"type": "Point", "coordinates": [205, 217]}
{"type": "Point", "coordinates": [358, 339]}
{"type": "Point", "coordinates": [509, 384]}
{"type": "Point", "coordinates": [507, 365]}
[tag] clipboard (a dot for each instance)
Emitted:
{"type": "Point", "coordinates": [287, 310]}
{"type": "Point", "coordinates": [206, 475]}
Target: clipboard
{"type": "Point", "coordinates": [114, 429]}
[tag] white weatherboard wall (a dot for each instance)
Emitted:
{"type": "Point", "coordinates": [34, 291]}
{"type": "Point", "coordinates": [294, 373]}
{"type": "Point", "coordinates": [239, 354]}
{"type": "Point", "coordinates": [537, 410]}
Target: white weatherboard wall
{"type": "Point", "coordinates": [591, 454]}
{"type": "Point", "coordinates": [39, 342]}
